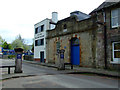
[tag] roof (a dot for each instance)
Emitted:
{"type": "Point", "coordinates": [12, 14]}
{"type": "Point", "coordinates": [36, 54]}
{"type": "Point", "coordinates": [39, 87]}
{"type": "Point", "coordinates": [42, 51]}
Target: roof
{"type": "Point", "coordinates": [80, 15]}
{"type": "Point", "coordinates": [105, 5]}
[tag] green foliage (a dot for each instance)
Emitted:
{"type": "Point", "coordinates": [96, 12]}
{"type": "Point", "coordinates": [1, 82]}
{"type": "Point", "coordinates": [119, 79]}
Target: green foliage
{"type": "Point", "coordinates": [11, 56]}
{"type": "Point", "coordinates": [5, 45]}
{"type": "Point", "coordinates": [20, 43]}
{"type": "Point", "coordinates": [1, 41]}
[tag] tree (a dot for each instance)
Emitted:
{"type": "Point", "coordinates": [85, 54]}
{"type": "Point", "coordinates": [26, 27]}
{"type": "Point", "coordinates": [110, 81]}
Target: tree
{"type": "Point", "coordinates": [17, 43]}
{"type": "Point", "coordinates": [1, 41]}
{"type": "Point", "coordinates": [20, 43]}
{"type": "Point", "coordinates": [5, 45]}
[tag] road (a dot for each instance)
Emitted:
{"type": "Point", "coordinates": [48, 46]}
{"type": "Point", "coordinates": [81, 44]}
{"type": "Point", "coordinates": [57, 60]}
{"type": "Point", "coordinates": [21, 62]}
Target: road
{"type": "Point", "coordinates": [46, 77]}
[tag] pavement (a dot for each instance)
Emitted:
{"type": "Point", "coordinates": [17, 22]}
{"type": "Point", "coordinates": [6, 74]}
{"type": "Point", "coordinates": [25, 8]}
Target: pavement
{"type": "Point", "coordinates": [68, 70]}
{"type": "Point", "coordinates": [81, 70]}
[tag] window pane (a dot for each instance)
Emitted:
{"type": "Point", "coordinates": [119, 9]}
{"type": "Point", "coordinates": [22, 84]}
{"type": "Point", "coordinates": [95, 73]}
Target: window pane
{"type": "Point", "coordinates": [39, 29]}
{"type": "Point", "coordinates": [117, 46]}
{"type": "Point", "coordinates": [39, 42]}
{"type": "Point", "coordinates": [116, 54]}
{"type": "Point", "coordinates": [75, 41]}
{"type": "Point", "coordinates": [42, 28]}
{"type": "Point", "coordinates": [42, 41]}
{"type": "Point", "coordinates": [36, 30]}
{"type": "Point", "coordinates": [36, 42]}
{"type": "Point", "coordinates": [114, 21]}
{"type": "Point", "coordinates": [114, 13]}
{"type": "Point", "coordinates": [114, 17]}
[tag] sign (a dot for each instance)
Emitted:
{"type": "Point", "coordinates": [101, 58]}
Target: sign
{"type": "Point", "coordinates": [62, 51]}
{"type": "Point", "coordinates": [19, 56]}
{"type": "Point", "coordinates": [62, 56]}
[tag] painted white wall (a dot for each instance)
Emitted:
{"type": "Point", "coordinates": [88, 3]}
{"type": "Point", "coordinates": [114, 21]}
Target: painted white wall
{"type": "Point", "coordinates": [41, 35]}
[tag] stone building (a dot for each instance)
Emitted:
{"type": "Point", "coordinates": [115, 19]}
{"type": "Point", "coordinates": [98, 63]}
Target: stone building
{"type": "Point", "coordinates": [75, 35]}
{"type": "Point", "coordinates": [108, 34]}
{"type": "Point", "coordinates": [88, 40]}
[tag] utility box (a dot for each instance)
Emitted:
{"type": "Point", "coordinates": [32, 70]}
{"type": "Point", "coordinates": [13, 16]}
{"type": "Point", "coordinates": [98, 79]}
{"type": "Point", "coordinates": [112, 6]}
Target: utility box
{"type": "Point", "coordinates": [18, 60]}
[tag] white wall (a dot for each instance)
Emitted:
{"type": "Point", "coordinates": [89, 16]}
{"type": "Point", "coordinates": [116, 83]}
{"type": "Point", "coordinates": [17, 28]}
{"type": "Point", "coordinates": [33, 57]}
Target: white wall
{"type": "Point", "coordinates": [41, 35]}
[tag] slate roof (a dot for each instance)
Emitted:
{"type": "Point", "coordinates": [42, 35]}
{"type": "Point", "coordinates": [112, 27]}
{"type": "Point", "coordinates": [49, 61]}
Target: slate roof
{"type": "Point", "coordinates": [80, 15]}
{"type": "Point", "coordinates": [105, 5]}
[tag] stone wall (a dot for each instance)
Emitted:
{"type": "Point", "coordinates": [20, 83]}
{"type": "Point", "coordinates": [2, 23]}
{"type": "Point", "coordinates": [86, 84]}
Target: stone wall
{"type": "Point", "coordinates": [112, 35]}
{"type": "Point", "coordinates": [84, 30]}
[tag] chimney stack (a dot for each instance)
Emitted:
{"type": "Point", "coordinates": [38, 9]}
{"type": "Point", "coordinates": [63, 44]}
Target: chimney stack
{"type": "Point", "coordinates": [54, 19]}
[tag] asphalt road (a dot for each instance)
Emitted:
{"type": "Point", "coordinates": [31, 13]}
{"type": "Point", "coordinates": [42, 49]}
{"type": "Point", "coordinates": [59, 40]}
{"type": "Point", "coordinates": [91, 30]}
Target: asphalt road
{"type": "Point", "coordinates": [45, 77]}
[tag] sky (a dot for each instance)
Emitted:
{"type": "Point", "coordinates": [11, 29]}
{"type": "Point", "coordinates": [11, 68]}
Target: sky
{"type": "Point", "coordinates": [19, 16]}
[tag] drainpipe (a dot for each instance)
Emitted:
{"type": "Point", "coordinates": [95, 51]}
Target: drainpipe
{"type": "Point", "coordinates": [105, 38]}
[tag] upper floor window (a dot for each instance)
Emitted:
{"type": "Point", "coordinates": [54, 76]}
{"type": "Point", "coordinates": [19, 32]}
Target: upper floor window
{"type": "Point", "coordinates": [39, 29]}
{"type": "Point", "coordinates": [36, 30]}
{"type": "Point", "coordinates": [115, 18]}
{"type": "Point", "coordinates": [42, 28]}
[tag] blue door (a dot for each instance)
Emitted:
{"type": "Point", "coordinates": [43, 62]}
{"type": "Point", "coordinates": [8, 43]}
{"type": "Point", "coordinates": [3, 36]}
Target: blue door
{"type": "Point", "coordinates": [75, 51]}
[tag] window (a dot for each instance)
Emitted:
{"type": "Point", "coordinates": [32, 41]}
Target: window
{"type": "Point", "coordinates": [39, 42]}
{"type": "Point", "coordinates": [42, 28]}
{"type": "Point", "coordinates": [116, 52]}
{"type": "Point", "coordinates": [115, 18]}
{"type": "Point", "coordinates": [36, 42]}
{"type": "Point", "coordinates": [36, 30]}
{"type": "Point", "coordinates": [42, 42]}
{"type": "Point", "coordinates": [65, 26]}
{"type": "Point", "coordinates": [39, 29]}
{"type": "Point", "coordinates": [75, 41]}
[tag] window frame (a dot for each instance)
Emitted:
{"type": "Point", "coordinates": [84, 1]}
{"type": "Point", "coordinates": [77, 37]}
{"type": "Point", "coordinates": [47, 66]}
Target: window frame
{"type": "Point", "coordinates": [115, 60]}
{"type": "Point", "coordinates": [115, 17]}
{"type": "Point", "coordinates": [36, 30]}
{"type": "Point", "coordinates": [42, 28]}
{"type": "Point", "coordinates": [41, 43]}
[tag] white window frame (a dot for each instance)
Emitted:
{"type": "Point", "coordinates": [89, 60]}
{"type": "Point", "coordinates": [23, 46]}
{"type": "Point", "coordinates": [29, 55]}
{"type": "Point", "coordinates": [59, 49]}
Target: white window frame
{"type": "Point", "coordinates": [115, 17]}
{"type": "Point", "coordinates": [115, 60]}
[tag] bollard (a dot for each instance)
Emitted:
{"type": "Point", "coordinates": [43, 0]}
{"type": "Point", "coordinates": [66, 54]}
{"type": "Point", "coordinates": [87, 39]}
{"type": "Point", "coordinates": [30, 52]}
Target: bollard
{"type": "Point", "coordinates": [18, 60]}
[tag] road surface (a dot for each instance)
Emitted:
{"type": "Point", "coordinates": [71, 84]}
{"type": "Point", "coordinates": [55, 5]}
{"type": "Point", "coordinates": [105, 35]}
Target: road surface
{"type": "Point", "coordinates": [46, 77]}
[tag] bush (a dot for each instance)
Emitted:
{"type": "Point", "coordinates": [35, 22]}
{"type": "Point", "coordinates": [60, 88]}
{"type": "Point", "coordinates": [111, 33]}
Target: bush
{"type": "Point", "coordinates": [11, 56]}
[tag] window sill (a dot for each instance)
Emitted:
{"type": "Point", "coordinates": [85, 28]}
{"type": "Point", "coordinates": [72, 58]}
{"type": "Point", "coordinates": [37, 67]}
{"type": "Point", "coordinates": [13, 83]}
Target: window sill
{"type": "Point", "coordinates": [113, 62]}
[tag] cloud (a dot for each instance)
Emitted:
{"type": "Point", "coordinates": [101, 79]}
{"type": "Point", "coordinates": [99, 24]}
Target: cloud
{"type": "Point", "coordinates": [19, 16]}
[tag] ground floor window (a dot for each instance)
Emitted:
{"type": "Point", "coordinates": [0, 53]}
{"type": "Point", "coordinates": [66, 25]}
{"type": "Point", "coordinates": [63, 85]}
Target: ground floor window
{"type": "Point", "coordinates": [116, 52]}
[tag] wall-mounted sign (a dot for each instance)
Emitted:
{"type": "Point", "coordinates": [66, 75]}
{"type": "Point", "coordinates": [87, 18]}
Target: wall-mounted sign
{"type": "Point", "coordinates": [39, 37]}
{"type": "Point", "coordinates": [19, 56]}
{"type": "Point", "coordinates": [62, 56]}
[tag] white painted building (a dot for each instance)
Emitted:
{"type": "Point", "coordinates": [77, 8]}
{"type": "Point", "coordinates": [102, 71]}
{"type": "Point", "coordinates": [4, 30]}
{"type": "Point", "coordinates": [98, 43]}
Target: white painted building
{"type": "Point", "coordinates": [40, 29]}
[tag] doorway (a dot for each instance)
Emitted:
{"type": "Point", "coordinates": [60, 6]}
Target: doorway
{"type": "Point", "coordinates": [75, 51]}
{"type": "Point", "coordinates": [42, 56]}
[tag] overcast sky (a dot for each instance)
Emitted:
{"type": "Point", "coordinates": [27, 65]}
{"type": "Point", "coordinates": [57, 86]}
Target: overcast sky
{"type": "Point", "coordinates": [19, 16]}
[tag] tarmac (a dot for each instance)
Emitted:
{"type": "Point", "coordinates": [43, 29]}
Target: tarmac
{"type": "Point", "coordinates": [68, 70]}
{"type": "Point", "coordinates": [81, 70]}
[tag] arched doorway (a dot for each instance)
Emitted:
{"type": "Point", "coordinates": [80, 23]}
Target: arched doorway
{"type": "Point", "coordinates": [75, 51]}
